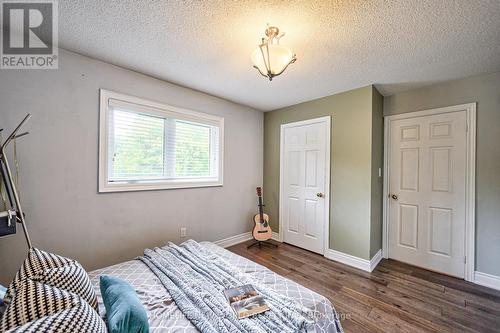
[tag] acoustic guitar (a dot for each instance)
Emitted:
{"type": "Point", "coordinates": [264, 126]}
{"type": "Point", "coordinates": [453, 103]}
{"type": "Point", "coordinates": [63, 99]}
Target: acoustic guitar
{"type": "Point", "coordinates": [262, 230]}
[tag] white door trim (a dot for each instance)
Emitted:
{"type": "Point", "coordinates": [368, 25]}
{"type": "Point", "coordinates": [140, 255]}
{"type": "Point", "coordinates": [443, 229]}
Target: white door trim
{"type": "Point", "coordinates": [470, 184]}
{"type": "Point", "coordinates": [326, 227]}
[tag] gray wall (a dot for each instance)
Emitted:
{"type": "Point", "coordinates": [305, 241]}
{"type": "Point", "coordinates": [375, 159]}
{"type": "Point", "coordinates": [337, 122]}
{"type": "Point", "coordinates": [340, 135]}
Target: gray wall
{"type": "Point", "coordinates": [485, 90]}
{"type": "Point", "coordinates": [351, 164]}
{"type": "Point", "coordinates": [58, 163]}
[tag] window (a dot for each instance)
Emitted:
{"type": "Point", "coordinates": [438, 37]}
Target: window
{"type": "Point", "coordinates": [146, 145]}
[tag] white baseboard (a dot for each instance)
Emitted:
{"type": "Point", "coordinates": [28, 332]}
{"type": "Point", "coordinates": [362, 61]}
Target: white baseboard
{"type": "Point", "coordinates": [276, 237]}
{"type": "Point", "coordinates": [233, 240]}
{"type": "Point", "coordinates": [363, 264]}
{"type": "Point", "coordinates": [375, 260]}
{"type": "Point", "coordinates": [487, 280]}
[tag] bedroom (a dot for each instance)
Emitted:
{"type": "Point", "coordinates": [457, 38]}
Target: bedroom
{"type": "Point", "coordinates": [361, 72]}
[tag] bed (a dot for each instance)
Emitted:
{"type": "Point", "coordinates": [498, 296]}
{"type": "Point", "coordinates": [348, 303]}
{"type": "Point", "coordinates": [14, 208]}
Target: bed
{"type": "Point", "coordinates": [165, 316]}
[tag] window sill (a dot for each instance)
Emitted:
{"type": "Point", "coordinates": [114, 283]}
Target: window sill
{"type": "Point", "coordinates": [154, 186]}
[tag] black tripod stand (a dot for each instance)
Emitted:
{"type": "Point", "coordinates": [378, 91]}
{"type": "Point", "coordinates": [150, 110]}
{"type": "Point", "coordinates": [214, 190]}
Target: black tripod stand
{"type": "Point", "coordinates": [260, 243]}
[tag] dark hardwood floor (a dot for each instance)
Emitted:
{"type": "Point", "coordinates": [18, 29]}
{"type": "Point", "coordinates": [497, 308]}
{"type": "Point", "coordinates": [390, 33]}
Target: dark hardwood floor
{"type": "Point", "coordinates": [395, 297]}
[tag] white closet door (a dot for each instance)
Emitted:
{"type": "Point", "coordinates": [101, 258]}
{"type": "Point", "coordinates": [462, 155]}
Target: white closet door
{"type": "Point", "coordinates": [304, 171]}
{"type": "Point", "coordinates": [427, 190]}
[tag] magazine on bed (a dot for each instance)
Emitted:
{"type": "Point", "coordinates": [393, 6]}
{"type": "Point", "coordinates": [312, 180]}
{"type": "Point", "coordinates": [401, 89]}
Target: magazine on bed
{"type": "Point", "coordinates": [245, 301]}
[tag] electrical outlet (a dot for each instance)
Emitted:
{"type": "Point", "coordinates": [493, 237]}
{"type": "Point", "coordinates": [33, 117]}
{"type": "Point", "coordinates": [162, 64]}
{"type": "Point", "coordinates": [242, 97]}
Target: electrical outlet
{"type": "Point", "coordinates": [183, 232]}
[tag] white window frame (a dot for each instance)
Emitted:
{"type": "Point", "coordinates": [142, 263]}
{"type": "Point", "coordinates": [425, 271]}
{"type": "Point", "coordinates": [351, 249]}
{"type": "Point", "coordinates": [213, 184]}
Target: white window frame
{"type": "Point", "coordinates": [162, 110]}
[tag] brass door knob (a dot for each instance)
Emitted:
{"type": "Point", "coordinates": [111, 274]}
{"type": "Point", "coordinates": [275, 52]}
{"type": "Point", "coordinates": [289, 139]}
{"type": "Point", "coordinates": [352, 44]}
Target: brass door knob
{"type": "Point", "coordinates": [320, 195]}
{"type": "Point", "coordinates": [394, 197]}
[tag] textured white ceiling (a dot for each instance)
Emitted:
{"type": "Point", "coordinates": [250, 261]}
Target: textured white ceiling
{"type": "Point", "coordinates": [340, 45]}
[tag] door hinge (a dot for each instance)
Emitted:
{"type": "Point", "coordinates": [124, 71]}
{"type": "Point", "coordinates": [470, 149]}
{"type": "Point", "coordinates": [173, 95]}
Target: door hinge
{"type": "Point", "coordinates": [466, 127]}
{"type": "Point", "coordinates": [465, 259]}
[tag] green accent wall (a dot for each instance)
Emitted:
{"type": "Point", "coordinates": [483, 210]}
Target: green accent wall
{"type": "Point", "coordinates": [377, 162]}
{"type": "Point", "coordinates": [351, 169]}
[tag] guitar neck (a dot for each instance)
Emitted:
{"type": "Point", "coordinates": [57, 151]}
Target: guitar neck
{"type": "Point", "coordinates": [261, 211]}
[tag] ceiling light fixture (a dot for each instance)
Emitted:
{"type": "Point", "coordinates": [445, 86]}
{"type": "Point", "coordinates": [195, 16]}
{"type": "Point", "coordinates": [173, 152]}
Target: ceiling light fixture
{"type": "Point", "coordinates": [270, 58]}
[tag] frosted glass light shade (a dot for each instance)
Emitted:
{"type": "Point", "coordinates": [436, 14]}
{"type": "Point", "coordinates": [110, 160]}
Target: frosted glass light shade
{"type": "Point", "coordinates": [272, 59]}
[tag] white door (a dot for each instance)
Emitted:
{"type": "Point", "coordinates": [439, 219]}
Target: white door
{"type": "Point", "coordinates": [305, 157]}
{"type": "Point", "coordinates": [427, 184]}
